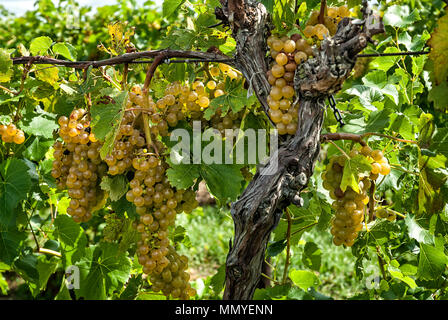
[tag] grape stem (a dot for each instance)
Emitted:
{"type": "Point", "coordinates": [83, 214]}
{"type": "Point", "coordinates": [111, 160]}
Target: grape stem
{"type": "Point", "coordinates": [340, 149]}
{"type": "Point", "coordinates": [359, 137]}
{"type": "Point", "coordinates": [367, 134]}
{"type": "Point", "coordinates": [288, 246]}
{"type": "Point", "coordinates": [323, 6]}
{"type": "Point", "coordinates": [48, 251]}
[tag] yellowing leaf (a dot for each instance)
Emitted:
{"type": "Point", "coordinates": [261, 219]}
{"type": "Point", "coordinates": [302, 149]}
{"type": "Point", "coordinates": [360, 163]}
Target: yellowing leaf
{"type": "Point", "coordinates": [439, 49]}
{"type": "Point", "coordinates": [48, 73]}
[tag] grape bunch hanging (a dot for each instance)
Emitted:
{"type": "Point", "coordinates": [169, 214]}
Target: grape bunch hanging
{"type": "Point", "coordinates": [289, 52]}
{"type": "Point", "coordinates": [350, 205]}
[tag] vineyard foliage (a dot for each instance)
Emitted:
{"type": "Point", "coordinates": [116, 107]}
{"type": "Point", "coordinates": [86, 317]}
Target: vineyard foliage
{"type": "Point", "coordinates": [398, 104]}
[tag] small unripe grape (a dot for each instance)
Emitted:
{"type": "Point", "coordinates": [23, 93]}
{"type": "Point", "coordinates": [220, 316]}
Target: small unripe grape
{"type": "Point", "coordinates": [291, 67]}
{"type": "Point", "coordinates": [224, 67]}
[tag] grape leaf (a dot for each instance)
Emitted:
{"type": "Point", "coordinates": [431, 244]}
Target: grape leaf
{"type": "Point", "coordinates": [304, 279]}
{"type": "Point", "coordinates": [312, 256]}
{"type": "Point", "coordinates": [183, 176]}
{"type": "Point", "coordinates": [223, 180]}
{"type": "Point", "coordinates": [431, 263]}
{"type": "Point", "coordinates": [170, 6]}
{"type": "Point", "coordinates": [71, 237]}
{"type": "Point", "coordinates": [10, 242]}
{"type": "Point", "coordinates": [399, 16]}
{"type": "Point", "coordinates": [116, 186]}
{"type": "Point", "coordinates": [40, 126]}
{"type": "Point", "coordinates": [15, 182]}
{"type": "Point", "coordinates": [107, 114]}
{"type": "Point", "coordinates": [66, 50]}
{"type": "Point", "coordinates": [109, 270]}
{"type": "Point", "coordinates": [40, 45]}
{"type": "Point", "coordinates": [5, 66]}
{"type": "Point", "coordinates": [48, 73]}
{"type": "Point", "coordinates": [355, 167]}
{"type": "Point", "coordinates": [439, 49]}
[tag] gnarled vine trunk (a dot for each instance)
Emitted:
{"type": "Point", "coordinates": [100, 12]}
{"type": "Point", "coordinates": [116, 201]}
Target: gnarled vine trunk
{"type": "Point", "coordinates": [279, 182]}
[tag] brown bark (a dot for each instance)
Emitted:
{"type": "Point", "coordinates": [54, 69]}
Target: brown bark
{"type": "Point", "coordinates": [277, 184]}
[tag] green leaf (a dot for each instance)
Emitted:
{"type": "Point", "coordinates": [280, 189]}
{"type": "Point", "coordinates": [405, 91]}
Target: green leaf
{"type": "Point", "coordinates": [109, 270]}
{"type": "Point", "coordinates": [132, 288]}
{"type": "Point", "coordinates": [214, 174]}
{"type": "Point", "coordinates": [107, 114]}
{"type": "Point", "coordinates": [276, 248]}
{"type": "Point", "coordinates": [399, 16]}
{"type": "Point", "coordinates": [355, 167]}
{"type": "Point", "coordinates": [415, 231]}
{"type": "Point", "coordinates": [41, 126]}
{"type": "Point", "coordinates": [71, 237]}
{"type": "Point", "coordinates": [312, 256]}
{"type": "Point", "coordinates": [397, 274]}
{"type": "Point", "coordinates": [66, 50]}
{"type": "Point", "coordinates": [5, 66]}
{"type": "Point", "coordinates": [432, 262]}
{"type": "Point", "coordinates": [170, 6]}
{"type": "Point", "coordinates": [438, 96]}
{"type": "Point", "coordinates": [218, 280]}
{"type": "Point", "coordinates": [116, 186]}
{"type": "Point", "coordinates": [386, 62]}
{"type": "Point", "coordinates": [40, 45]}
{"type": "Point", "coordinates": [304, 279]}
{"type": "Point", "coordinates": [15, 182]}
{"type": "Point", "coordinates": [183, 176]}
{"type": "Point", "coordinates": [37, 149]}
{"type": "Point", "coordinates": [45, 268]}
{"type": "Point", "coordinates": [10, 242]}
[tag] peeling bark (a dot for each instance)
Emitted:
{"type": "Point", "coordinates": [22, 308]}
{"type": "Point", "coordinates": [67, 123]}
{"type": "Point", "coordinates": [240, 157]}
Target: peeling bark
{"type": "Point", "coordinates": [279, 182]}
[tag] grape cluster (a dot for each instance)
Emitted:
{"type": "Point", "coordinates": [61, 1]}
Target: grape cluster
{"type": "Point", "coordinates": [384, 213]}
{"type": "Point", "coordinates": [316, 31]}
{"type": "Point", "coordinates": [77, 165]}
{"type": "Point", "coordinates": [173, 280]}
{"type": "Point", "coordinates": [10, 133]}
{"type": "Point", "coordinates": [350, 205]}
{"type": "Point", "coordinates": [287, 54]}
{"type": "Point", "coordinates": [189, 101]}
